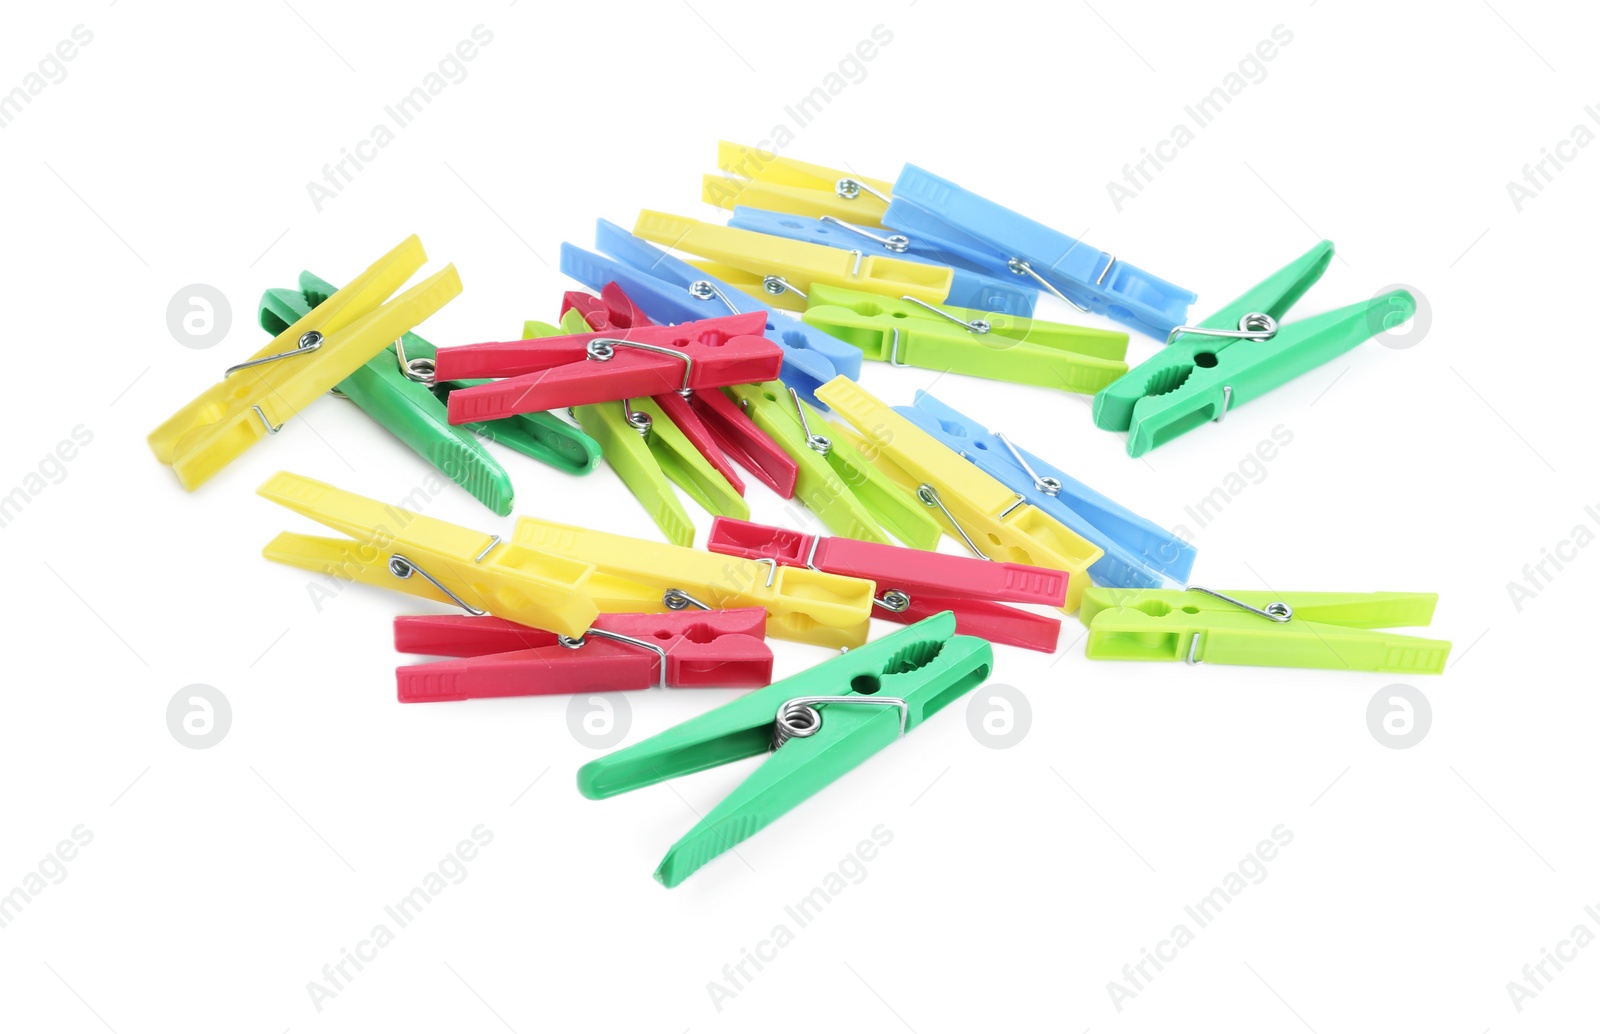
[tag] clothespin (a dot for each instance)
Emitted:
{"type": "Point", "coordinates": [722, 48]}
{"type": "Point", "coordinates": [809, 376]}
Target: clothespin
{"type": "Point", "coordinates": [619, 651]}
{"type": "Point", "coordinates": [397, 549]}
{"type": "Point", "coordinates": [575, 370]}
{"type": "Point", "coordinates": [1000, 241]}
{"type": "Point", "coordinates": [913, 584]}
{"type": "Point", "coordinates": [968, 288]}
{"type": "Point", "coordinates": [633, 575]}
{"type": "Point", "coordinates": [1282, 630]}
{"type": "Point", "coordinates": [767, 181]}
{"type": "Point", "coordinates": [392, 388]}
{"type": "Point", "coordinates": [1240, 353]}
{"type": "Point", "coordinates": [909, 332]}
{"type": "Point", "coordinates": [820, 724]}
{"type": "Point", "coordinates": [670, 290]}
{"type": "Point", "coordinates": [716, 427]}
{"type": "Point", "coordinates": [851, 496]}
{"type": "Point", "coordinates": [295, 368]}
{"type": "Point", "coordinates": [786, 269]}
{"type": "Point", "coordinates": [993, 521]}
{"type": "Point", "coordinates": [1138, 553]}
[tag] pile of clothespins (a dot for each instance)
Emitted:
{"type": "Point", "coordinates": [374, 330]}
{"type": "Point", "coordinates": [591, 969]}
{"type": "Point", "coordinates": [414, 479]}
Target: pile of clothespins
{"type": "Point", "coordinates": [679, 371]}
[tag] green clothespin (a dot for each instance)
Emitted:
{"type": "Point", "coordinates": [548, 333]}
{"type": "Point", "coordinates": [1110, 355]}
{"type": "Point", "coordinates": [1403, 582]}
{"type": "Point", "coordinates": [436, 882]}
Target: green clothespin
{"type": "Point", "coordinates": [819, 724]}
{"type": "Point", "coordinates": [396, 395]}
{"type": "Point", "coordinates": [650, 454]}
{"type": "Point", "coordinates": [851, 496]}
{"type": "Point", "coordinates": [1284, 630]}
{"type": "Point", "coordinates": [1240, 353]}
{"type": "Point", "coordinates": [998, 346]}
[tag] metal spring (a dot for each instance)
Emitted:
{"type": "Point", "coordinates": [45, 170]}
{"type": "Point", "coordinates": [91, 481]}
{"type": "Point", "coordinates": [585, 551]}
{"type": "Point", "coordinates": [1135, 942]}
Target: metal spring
{"type": "Point", "coordinates": [800, 717]}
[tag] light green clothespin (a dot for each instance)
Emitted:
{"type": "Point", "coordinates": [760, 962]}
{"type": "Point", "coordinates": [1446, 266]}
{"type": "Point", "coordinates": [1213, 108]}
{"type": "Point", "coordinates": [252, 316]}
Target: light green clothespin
{"type": "Point", "coordinates": [851, 496]}
{"type": "Point", "coordinates": [909, 332]}
{"type": "Point", "coordinates": [1284, 630]}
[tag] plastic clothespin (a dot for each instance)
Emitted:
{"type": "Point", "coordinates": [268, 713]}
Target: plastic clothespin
{"type": "Point", "coordinates": [298, 366]}
{"type": "Point", "coordinates": [405, 551]}
{"type": "Point", "coordinates": [1138, 553]}
{"type": "Point", "coordinates": [820, 724]}
{"type": "Point", "coordinates": [1283, 630]}
{"type": "Point", "coordinates": [716, 427]}
{"type": "Point", "coordinates": [670, 290]}
{"type": "Point", "coordinates": [575, 370]}
{"type": "Point", "coordinates": [1004, 243]}
{"type": "Point", "coordinates": [635, 575]}
{"type": "Point", "coordinates": [913, 584]}
{"type": "Point", "coordinates": [785, 269]}
{"type": "Point", "coordinates": [851, 496]}
{"type": "Point", "coordinates": [393, 389]}
{"type": "Point", "coordinates": [1240, 353]}
{"type": "Point", "coordinates": [619, 651]}
{"type": "Point", "coordinates": [755, 177]}
{"type": "Point", "coordinates": [993, 521]}
{"type": "Point", "coordinates": [980, 344]}
{"type": "Point", "coordinates": [968, 288]}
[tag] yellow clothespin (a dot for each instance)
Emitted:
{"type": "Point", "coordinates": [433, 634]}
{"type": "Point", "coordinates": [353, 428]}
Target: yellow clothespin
{"type": "Point", "coordinates": [397, 549]}
{"type": "Point", "coordinates": [760, 179]}
{"type": "Point", "coordinates": [994, 522]}
{"type": "Point", "coordinates": [786, 269]}
{"type": "Point", "coordinates": [298, 366]}
{"type": "Point", "coordinates": [637, 576]}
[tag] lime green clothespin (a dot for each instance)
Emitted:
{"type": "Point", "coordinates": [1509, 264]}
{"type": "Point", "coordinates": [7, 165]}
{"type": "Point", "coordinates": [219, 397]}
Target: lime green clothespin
{"type": "Point", "coordinates": [1287, 630]}
{"type": "Point", "coordinates": [1240, 353]}
{"type": "Point", "coordinates": [396, 394]}
{"type": "Point", "coordinates": [819, 724]}
{"type": "Point", "coordinates": [909, 332]}
{"type": "Point", "coordinates": [851, 496]}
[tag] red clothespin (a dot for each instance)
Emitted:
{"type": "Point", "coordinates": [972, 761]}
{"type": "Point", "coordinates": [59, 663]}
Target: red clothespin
{"type": "Point", "coordinates": [500, 658]}
{"type": "Point", "coordinates": [579, 369]}
{"type": "Point", "coordinates": [709, 419]}
{"type": "Point", "coordinates": [912, 584]}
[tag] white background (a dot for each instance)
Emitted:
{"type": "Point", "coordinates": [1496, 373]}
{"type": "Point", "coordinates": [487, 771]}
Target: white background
{"type": "Point", "coordinates": [1020, 881]}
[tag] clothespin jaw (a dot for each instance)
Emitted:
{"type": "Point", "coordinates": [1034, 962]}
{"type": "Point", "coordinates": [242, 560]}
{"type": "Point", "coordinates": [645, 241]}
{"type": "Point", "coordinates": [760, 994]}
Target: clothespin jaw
{"type": "Point", "coordinates": [969, 289]}
{"type": "Point", "coordinates": [670, 290]}
{"type": "Point", "coordinates": [787, 269]}
{"type": "Point", "coordinates": [650, 453]}
{"type": "Point", "coordinates": [824, 722]}
{"type": "Point", "coordinates": [1200, 376]}
{"type": "Point", "coordinates": [499, 658]}
{"type": "Point", "coordinates": [1080, 274]}
{"type": "Point", "coordinates": [969, 341]}
{"type": "Point", "coordinates": [579, 369]}
{"type": "Point", "coordinates": [764, 180]}
{"type": "Point", "coordinates": [635, 575]}
{"type": "Point", "coordinates": [1138, 553]}
{"type": "Point", "coordinates": [400, 402]}
{"type": "Point", "coordinates": [1286, 630]}
{"type": "Point", "coordinates": [398, 549]}
{"type": "Point", "coordinates": [993, 521]}
{"type": "Point", "coordinates": [307, 359]}
{"type": "Point", "coordinates": [915, 584]}
{"type": "Point", "coordinates": [847, 492]}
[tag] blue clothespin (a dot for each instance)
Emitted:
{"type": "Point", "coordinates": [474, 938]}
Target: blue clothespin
{"type": "Point", "coordinates": [1138, 553]}
{"type": "Point", "coordinates": [670, 290]}
{"type": "Point", "coordinates": [1003, 242]}
{"type": "Point", "coordinates": [968, 290]}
